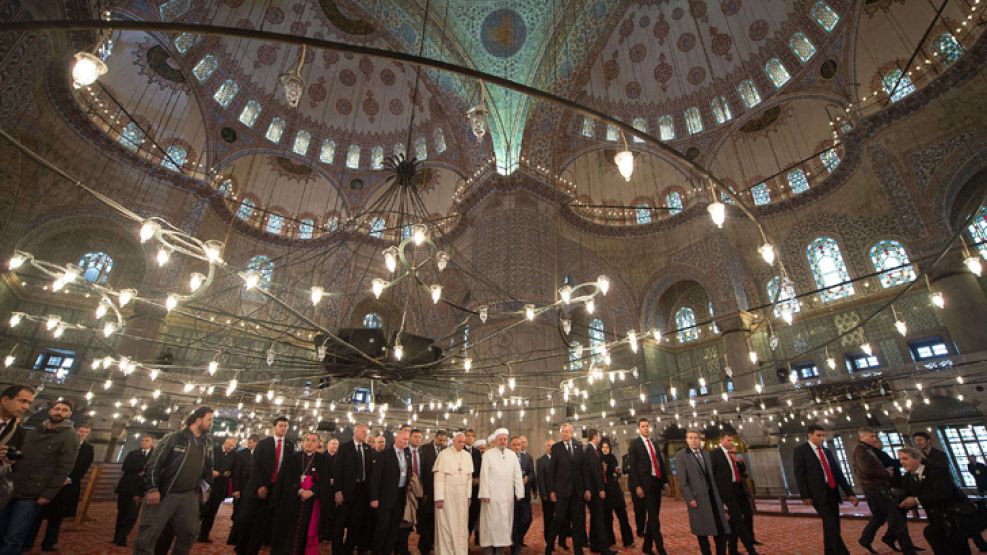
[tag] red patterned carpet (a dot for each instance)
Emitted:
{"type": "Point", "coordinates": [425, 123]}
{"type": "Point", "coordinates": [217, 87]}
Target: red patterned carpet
{"type": "Point", "coordinates": [788, 535]}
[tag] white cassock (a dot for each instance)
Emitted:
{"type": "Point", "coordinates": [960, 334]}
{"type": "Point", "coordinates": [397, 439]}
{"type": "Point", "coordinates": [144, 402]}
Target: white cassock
{"type": "Point", "coordinates": [500, 469]}
{"type": "Point", "coordinates": [453, 472]}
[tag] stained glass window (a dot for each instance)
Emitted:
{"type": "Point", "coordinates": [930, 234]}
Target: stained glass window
{"type": "Point", "coordinates": [250, 113]}
{"type": "Point", "coordinates": [440, 140]}
{"type": "Point", "coordinates": [400, 150]}
{"type": "Point", "coordinates": [575, 356]}
{"type": "Point", "coordinates": [748, 93]}
{"type": "Point", "coordinates": [96, 267]}
{"type": "Point", "coordinates": [372, 320]}
{"type": "Point", "coordinates": [306, 228]}
{"type": "Point", "coordinates": [978, 231]}
{"type": "Point", "coordinates": [353, 157]}
{"type": "Point", "coordinates": [643, 214]}
{"type": "Point", "coordinates": [226, 93]}
{"type": "Point", "coordinates": [801, 46]}
{"type": "Point", "coordinates": [824, 16]}
{"type": "Point", "coordinates": [721, 110]}
{"type": "Point", "coordinates": [275, 130]}
{"type": "Point", "coordinates": [673, 201]}
{"type": "Point", "coordinates": [132, 136]}
{"type": "Point", "coordinates": [786, 301]}
{"type": "Point", "coordinates": [175, 159]}
{"type": "Point", "coordinates": [225, 188]}
{"type": "Point", "coordinates": [948, 47]}
{"type": "Point", "coordinates": [797, 180]}
{"type": "Point", "coordinates": [904, 88]}
{"type": "Point", "coordinates": [597, 338]}
{"type": "Point", "coordinates": [640, 124]}
{"type": "Point", "coordinates": [830, 158]}
{"type": "Point", "coordinates": [693, 120]}
{"type": "Point", "coordinates": [377, 157]}
{"type": "Point", "coordinates": [889, 258]}
{"type": "Point", "coordinates": [302, 138]}
{"type": "Point", "coordinates": [712, 316]}
{"type": "Point", "coordinates": [205, 67]}
{"type": "Point", "coordinates": [173, 9]}
{"type": "Point", "coordinates": [828, 269]}
{"type": "Point", "coordinates": [613, 134]}
{"type": "Point", "coordinates": [761, 194]}
{"type": "Point", "coordinates": [421, 148]}
{"type": "Point", "coordinates": [327, 153]}
{"type": "Point", "coordinates": [666, 128]}
{"type": "Point", "coordinates": [685, 321]}
{"type": "Point", "coordinates": [332, 223]}
{"type": "Point", "coordinates": [264, 267]}
{"type": "Point", "coordinates": [185, 41]}
{"type": "Point", "coordinates": [275, 223]}
{"type": "Point", "coordinates": [840, 451]}
{"type": "Point", "coordinates": [246, 210]}
{"type": "Point", "coordinates": [776, 72]}
{"type": "Point", "coordinates": [589, 127]}
{"type": "Point", "coordinates": [377, 227]}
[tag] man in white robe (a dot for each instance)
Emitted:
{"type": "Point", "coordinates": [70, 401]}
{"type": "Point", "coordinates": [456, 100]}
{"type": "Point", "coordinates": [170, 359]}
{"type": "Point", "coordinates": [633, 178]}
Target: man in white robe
{"type": "Point", "coordinates": [500, 485]}
{"type": "Point", "coordinates": [453, 473]}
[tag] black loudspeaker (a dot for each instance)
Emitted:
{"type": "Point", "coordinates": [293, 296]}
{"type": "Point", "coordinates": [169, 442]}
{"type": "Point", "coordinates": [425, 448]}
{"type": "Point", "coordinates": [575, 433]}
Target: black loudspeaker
{"type": "Point", "coordinates": [583, 433]}
{"type": "Point", "coordinates": [326, 426]}
{"type": "Point", "coordinates": [782, 374]}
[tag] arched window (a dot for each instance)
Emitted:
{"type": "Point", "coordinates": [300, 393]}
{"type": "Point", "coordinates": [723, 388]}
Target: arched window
{"type": "Point", "coordinates": [421, 148]}
{"type": "Point", "coordinates": [225, 188]}
{"type": "Point", "coordinates": [640, 124]}
{"type": "Point", "coordinates": [828, 269]}
{"type": "Point", "coordinates": [693, 120]}
{"type": "Point", "coordinates": [801, 46]}
{"type": "Point", "coordinates": [589, 127]}
{"type": "Point", "coordinates": [132, 136]}
{"type": "Point", "coordinates": [904, 86]}
{"type": "Point", "coordinates": [175, 160]}
{"type": "Point", "coordinates": [372, 320]}
{"type": "Point", "coordinates": [830, 158]}
{"type": "Point", "coordinates": [712, 319]}
{"type": "Point", "coordinates": [400, 149]}
{"type": "Point", "coordinates": [777, 72]}
{"type": "Point", "coordinates": [889, 258]}
{"type": "Point", "coordinates": [264, 267]}
{"type": "Point", "coordinates": [184, 42]}
{"type": "Point", "coordinates": [797, 180]}
{"type": "Point", "coordinates": [327, 153]}
{"type": "Point", "coordinates": [440, 140]}
{"type": "Point", "coordinates": [226, 92]}
{"type": "Point", "coordinates": [575, 356]}
{"type": "Point", "coordinates": [748, 93]}
{"type": "Point", "coordinates": [205, 67]}
{"type": "Point", "coordinates": [332, 223]}
{"type": "Point", "coordinates": [275, 224]}
{"type": "Point", "coordinates": [786, 301]}
{"type": "Point", "coordinates": [173, 9]}
{"type": "Point", "coordinates": [673, 201]}
{"type": "Point", "coordinates": [824, 16]}
{"type": "Point", "coordinates": [377, 227]}
{"type": "Point", "coordinates": [275, 130]}
{"type": "Point", "coordinates": [613, 133]}
{"type": "Point", "coordinates": [597, 338]}
{"type": "Point", "coordinates": [406, 231]}
{"type": "Point", "coordinates": [721, 110]}
{"type": "Point", "coordinates": [96, 267]}
{"type": "Point", "coordinates": [978, 231]}
{"type": "Point", "coordinates": [251, 111]}
{"type": "Point", "coordinates": [685, 321]}
{"type": "Point", "coordinates": [761, 194]}
{"type": "Point", "coordinates": [246, 210]}
{"type": "Point", "coordinates": [948, 48]}
{"type": "Point", "coordinates": [666, 128]}
{"type": "Point", "coordinates": [306, 228]}
{"type": "Point", "coordinates": [353, 157]}
{"type": "Point", "coordinates": [302, 138]}
{"type": "Point", "coordinates": [377, 157]}
{"type": "Point", "coordinates": [643, 214]}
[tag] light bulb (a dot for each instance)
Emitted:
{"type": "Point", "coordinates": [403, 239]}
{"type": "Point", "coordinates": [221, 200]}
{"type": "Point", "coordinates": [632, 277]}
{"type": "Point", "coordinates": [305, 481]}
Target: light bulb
{"type": "Point", "coordinates": [58, 284]}
{"type": "Point", "coordinates": [529, 312]}
{"type": "Point", "coordinates": [163, 256]}
{"type": "Point", "coordinates": [86, 69]}
{"type": "Point", "coordinates": [125, 296]}
{"type": "Point", "coordinates": [101, 311]}
{"type": "Point", "coordinates": [566, 326]}
{"type": "Point", "coordinates": [786, 314]}
{"type": "Point", "coordinates": [484, 312]}
{"type": "Point", "coordinates": [511, 383]}
{"type": "Point", "coordinates": [52, 322]}
{"type": "Point", "coordinates": [213, 367]}
{"type": "Point", "coordinates": [656, 333]}
{"type": "Point", "coordinates": [250, 279]}
{"type": "Point", "coordinates": [718, 212]}
{"type": "Point", "coordinates": [973, 264]}
{"type": "Point", "coordinates": [793, 377]}
{"type": "Point", "coordinates": [195, 281]}
{"type": "Point", "coordinates": [156, 394]}
{"type": "Point", "coordinates": [603, 283]}
{"type": "Point", "coordinates": [938, 299]}
{"type": "Point", "coordinates": [59, 330]}
{"type": "Point", "coordinates": [467, 364]}
{"type": "Point", "coordinates": [398, 351]}
{"type": "Point", "coordinates": [107, 361]}
{"type": "Point", "coordinates": [213, 250]}
{"type": "Point", "coordinates": [901, 327]}
{"type": "Point", "coordinates": [867, 349]}
{"type": "Point", "coordinates": [153, 374]}
{"type": "Point", "coordinates": [758, 388]}
{"type": "Point", "coordinates": [108, 329]}
{"type": "Point", "coordinates": [17, 260]}
{"type": "Point", "coordinates": [753, 357]}
{"type": "Point", "coordinates": [270, 356]}
{"type": "Point", "coordinates": [565, 293]}
{"type": "Point", "coordinates": [149, 228]}
{"type": "Point", "coordinates": [767, 253]}
{"type": "Point", "coordinates": [15, 318]}
{"type": "Point", "coordinates": [831, 362]}
{"type": "Point", "coordinates": [590, 306]}
{"type": "Point", "coordinates": [702, 381]}
{"type": "Point", "coordinates": [436, 293]}
{"type": "Point", "coordinates": [625, 164]}
{"type": "Point", "coordinates": [377, 287]}
{"type": "Point", "coordinates": [391, 258]}
{"type": "Point", "coordinates": [632, 340]}
{"type": "Point", "coordinates": [418, 233]}
{"type": "Point", "coordinates": [317, 293]}
{"type": "Point", "coordinates": [7, 362]}
{"type": "Point", "coordinates": [441, 260]}
{"type": "Point", "coordinates": [171, 302]}
{"type": "Point", "coordinates": [71, 273]}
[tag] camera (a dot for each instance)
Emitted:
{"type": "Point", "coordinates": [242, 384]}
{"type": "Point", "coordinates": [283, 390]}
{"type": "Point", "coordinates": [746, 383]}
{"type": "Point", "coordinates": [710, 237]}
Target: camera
{"type": "Point", "coordinates": [14, 454]}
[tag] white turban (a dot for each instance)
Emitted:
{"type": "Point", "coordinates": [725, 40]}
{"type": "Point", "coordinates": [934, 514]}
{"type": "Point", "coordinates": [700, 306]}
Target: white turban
{"type": "Point", "coordinates": [479, 443]}
{"type": "Point", "coordinates": [491, 438]}
{"type": "Point", "coordinates": [502, 432]}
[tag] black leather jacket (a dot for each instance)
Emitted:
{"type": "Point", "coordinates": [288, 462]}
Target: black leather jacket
{"type": "Point", "coordinates": [168, 457]}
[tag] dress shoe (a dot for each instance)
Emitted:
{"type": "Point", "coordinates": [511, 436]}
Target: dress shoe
{"type": "Point", "coordinates": [757, 542]}
{"type": "Point", "coordinates": [890, 544]}
{"type": "Point", "coordinates": [866, 546]}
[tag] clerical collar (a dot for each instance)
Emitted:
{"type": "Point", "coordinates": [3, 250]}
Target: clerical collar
{"type": "Point", "coordinates": [919, 471]}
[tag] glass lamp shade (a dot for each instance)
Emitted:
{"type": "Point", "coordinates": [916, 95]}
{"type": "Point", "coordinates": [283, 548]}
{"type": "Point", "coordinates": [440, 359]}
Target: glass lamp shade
{"type": "Point", "coordinates": [293, 88]}
{"type": "Point", "coordinates": [718, 212]}
{"type": "Point", "coordinates": [625, 164]}
{"type": "Point", "coordinates": [86, 69]}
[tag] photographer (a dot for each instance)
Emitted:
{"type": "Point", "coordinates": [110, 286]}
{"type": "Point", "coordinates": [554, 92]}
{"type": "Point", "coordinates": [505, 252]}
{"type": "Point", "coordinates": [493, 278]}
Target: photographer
{"type": "Point", "coordinates": [47, 457]}
{"type": "Point", "coordinates": [14, 402]}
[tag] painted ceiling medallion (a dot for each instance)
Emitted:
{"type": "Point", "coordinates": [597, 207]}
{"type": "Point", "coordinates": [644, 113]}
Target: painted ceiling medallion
{"type": "Point", "coordinates": [503, 33]}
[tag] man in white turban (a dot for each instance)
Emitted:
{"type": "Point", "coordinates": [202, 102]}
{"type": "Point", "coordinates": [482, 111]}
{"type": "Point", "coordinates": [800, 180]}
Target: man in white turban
{"type": "Point", "coordinates": [500, 485]}
{"type": "Point", "coordinates": [453, 483]}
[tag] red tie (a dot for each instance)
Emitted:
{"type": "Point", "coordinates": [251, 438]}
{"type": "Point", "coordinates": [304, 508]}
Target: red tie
{"type": "Point", "coordinates": [830, 480]}
{"type": "Point", "coordinates": [277, 461]}
{"type": "Point", "coordinates": [654, 459]}
{"type": "Point", "coordinates": [736, 471]}
{"type": "Point", "coordinates": [414, 462]}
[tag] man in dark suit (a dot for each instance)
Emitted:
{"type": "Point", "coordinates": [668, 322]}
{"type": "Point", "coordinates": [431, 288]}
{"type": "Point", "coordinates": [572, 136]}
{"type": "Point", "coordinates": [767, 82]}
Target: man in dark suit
{"type": "Point", "coordinates": [351, 471]}
{"type": "Point", "coordinates": [648, 475]}
{"type": "Point", "coordinates": [238, 484]}
{"type": "Point", "coordinates": [820, 480]}
{"type": "Point", "coordinates": [65, 503]}
{"type": "Point", "coordinates": [565, 489]}
{"type": "Point", "coordinates": [474, 512]}
{"type": "Point", "coordinates": [636, 502]}
{"type": "Point", "coordinates": [923, 442]}
{"type": "Point", "coordinates": [388, 491]}
{"type": "Point", "coordinates": [522, 507]}
{"type": "Point", "coordinates": [426, 510]}
{"type": "Point", "coordinates": [265, 465]}
{"type": "Point", "coordinates": [595, 494]}
{"type": "Point", "coordinates": [542, 470]}
{"type": "Point", "coordinates": [932, 485]}
{"type": "Point", "coordinates": [223, 458]}
{"type": "Point", "coordinates": [130, 490]}
{"type": "Point", "coordinates": [730, 484]}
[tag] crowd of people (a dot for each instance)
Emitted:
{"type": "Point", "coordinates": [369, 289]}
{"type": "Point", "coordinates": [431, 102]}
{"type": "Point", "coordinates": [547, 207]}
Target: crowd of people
{"type": "Point", "coordinates": [368, 494]}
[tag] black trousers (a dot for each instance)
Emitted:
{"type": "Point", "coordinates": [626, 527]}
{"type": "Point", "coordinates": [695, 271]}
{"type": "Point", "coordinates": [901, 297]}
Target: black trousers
{"type": "Point", "coordinates": [599, 540]}
{"type": "Point", "coordinates": [426, 526]}
{"type": "Point", "coordinates": [256, 517]}
{"type": "Point", "coordinates": [522, 522]}
{"type": "Point", "coordinates": [720, 541]}
{"type": "Point", "coordinates": [941, 544]}
{"type": "Point", "coordinates": [548, 514]}
{"type": "Point", "coordinates": [828, 510]}
{"type": "Point", "coordinates": [353, 518]}
{"type": "Point", "coordinates": [216, 497]}
{"type": "Point", "coordinates": [740, 511]}
{"type": "Point", "coordinates": [388, 524]}
{"type": "Point", "coordinates": [884, 509]}
{"type": "Point", "coordinates": [127, 511]}
{"type": "Point", "coordinates": [616, 505]}
{"type": "Point", "coordinates": [235, 528]}
{"type": "Point", "coordinates": [568, 514]}
{"type": "Point", "coordinates": [652, 508]}
{"type": "Point", "coordinates": [474, 514]}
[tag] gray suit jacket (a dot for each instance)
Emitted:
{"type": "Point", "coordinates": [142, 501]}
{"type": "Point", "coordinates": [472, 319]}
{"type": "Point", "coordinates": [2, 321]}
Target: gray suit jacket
{"type": "Point", "coordinates": [695, 486]}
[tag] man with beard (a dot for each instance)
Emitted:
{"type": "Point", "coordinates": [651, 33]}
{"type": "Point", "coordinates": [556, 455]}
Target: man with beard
{"type": "Point", "coordinates": [223, 459]}
{"type": "Point", "coordinates": [65, 503]}
{"type": "Point", "coordinates": [351, 470]}
{"type": "Point", "coordinates": [265, 468]}
{"type": "Point", "coordinates": [47, 456]}
{"type": "Point", "coordinates": [297, 500]}
{"type": "Point", "coordinates": [130, 490]}
{"type": "Point", "coordinates": [238, 484]}
{"type": "Point", "coordinates": [172, 479]}
{"type": "Point", "coordinates": [500, 486]}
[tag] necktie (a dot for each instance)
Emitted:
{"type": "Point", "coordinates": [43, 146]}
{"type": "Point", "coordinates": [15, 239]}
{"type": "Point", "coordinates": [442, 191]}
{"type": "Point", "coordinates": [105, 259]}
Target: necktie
{"type": "Point", "coordinates": [363, 463]}
{"type": "Point", "coordinates": [654, 459]}
{"type": "Point", "coordinates": [736, 471]}
{"type": "Point", "coordinates": [830, 480]}
{"type": "Point", "coordinates": [699, 458]}
{"type": "Point", "coordinates": [568, 447]}
{"type": "Point", "coordinates": [277, 461]}
{"type": "Point", "coordinates": [414, 462]}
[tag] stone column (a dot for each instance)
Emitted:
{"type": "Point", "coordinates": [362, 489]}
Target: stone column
{"type": "Point", "coordinates": [966, 304]}
{"type": "Point", "coordinates": [735, 329]}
